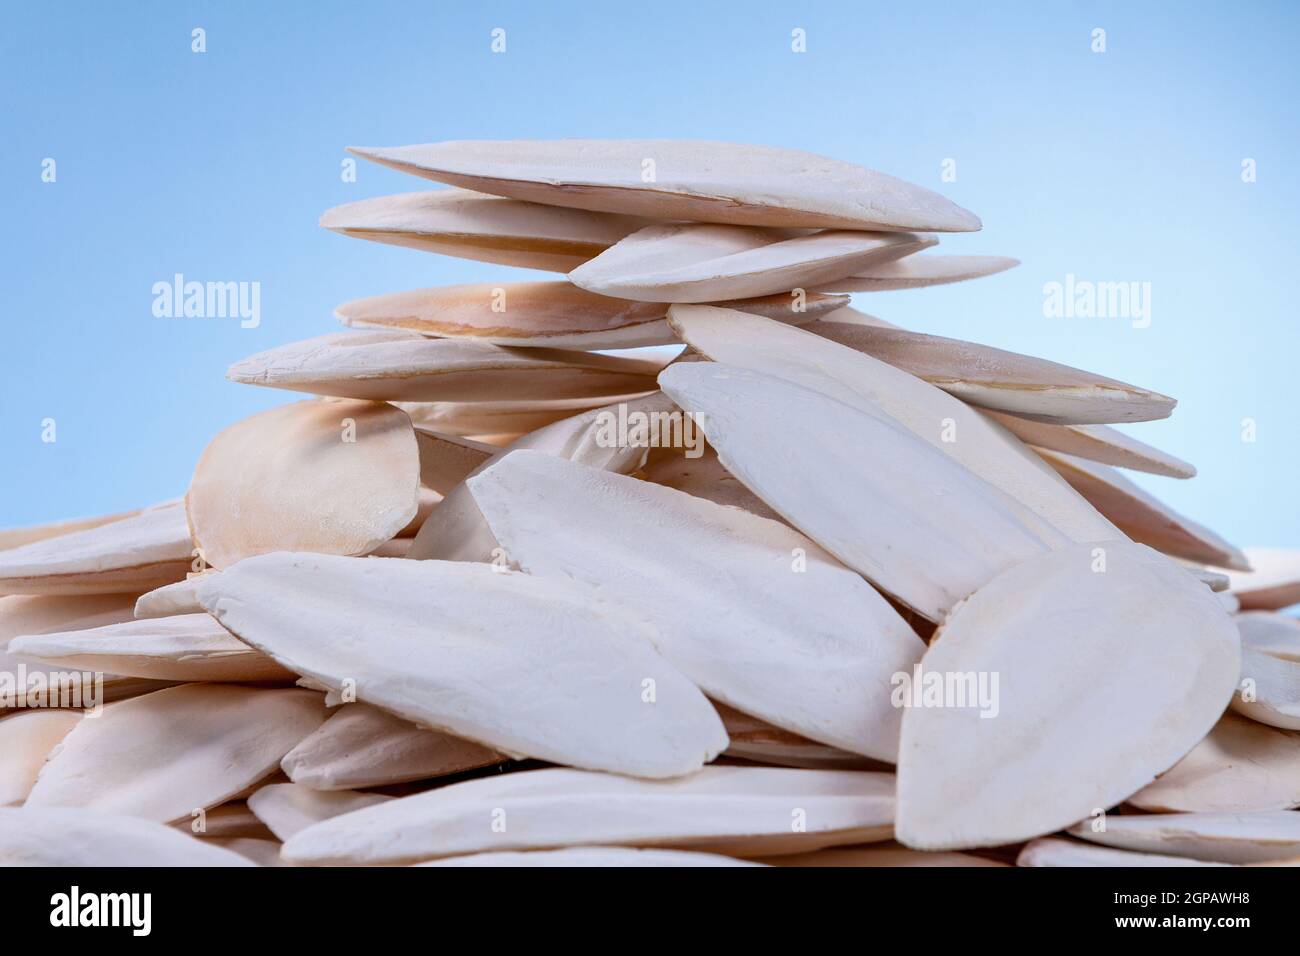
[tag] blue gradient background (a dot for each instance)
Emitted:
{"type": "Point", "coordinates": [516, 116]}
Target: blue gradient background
{"type": "Point", "coordinates": [1116, 166]}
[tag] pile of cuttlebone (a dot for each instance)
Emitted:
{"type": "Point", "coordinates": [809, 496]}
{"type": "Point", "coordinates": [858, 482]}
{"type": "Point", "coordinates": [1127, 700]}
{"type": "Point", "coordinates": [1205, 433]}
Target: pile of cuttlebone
{"type": "Point", "coordinates": [433, 613]}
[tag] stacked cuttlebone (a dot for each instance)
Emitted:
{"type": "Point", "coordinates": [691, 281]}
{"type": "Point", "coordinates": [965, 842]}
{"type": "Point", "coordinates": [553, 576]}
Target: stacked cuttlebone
{"type": "Point", "coordinates": [497, 592]}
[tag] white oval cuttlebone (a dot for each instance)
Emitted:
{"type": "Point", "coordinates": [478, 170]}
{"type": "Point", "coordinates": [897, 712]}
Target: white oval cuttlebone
{"type": "Point", "coordinates": [703, 262]}
{"type": "Point", "coordinates": [1211, 837]}
{"type": "Point", "coordinates": [1269, 633]}
{"type": "Point", "coordinates": [1111, 662]}
{"type": "Point", "coordinates": [1142, 516]}
{"type": "Point", "coordinates": [528, 666]}
{"type": "Point", "coordinates": [993, 378]}
{"type": "Point", "coordinates": [292, 477]}
{"type": "Point", "coordinates": [1099, 443]}
{"type": "Point", "coordinates": [185, 647]}
{"type": "Point", "coordinates": [584, 856]}
{"type": "Point", "coordinates": [1274, 582]}
{"type": "Point", "coordinates": [742, 811]}
{"type": "Point", "coordinates": [287, 808]}
{"type": "Point", "coordinates": [1029, 488]}
{"type": "Point", "coordinates": [924, 529]}
{"type": "Point", "coordinates": [43, 614]}
{"type": "Point", "coordinates": [166, 754]}
{"type": "Point", "coordinates": [134, 554]}
{"type": "Point", "coordinates": [696, 180]}
{"type": "Point", "coordinates": [918, 271]}
{"type": "Point", "coordinates": [1055, 851]}
{"type": "Point", "coordinates": [406, 366]}
{"type": "Point", "coordinates": [806, 644]}
{"type": "Point", "coordinates": [552, 314]}
{"type": "Point", "coordinates": [1240, 767]}
{"type": "Point", "coordinates": [26, 739]}
{"type": "Point", "coordinates": [1268, 690]}
{"type": "Point", "coordinates": [471, 225]}
{"type": "Point", "coordinates": [52, 836]}
{"type": "Point", "coordinates": [363, 746]}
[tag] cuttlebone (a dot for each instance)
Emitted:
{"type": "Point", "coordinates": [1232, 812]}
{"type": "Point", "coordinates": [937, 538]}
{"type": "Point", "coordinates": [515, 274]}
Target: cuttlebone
{"type": "Point", "coordinates": [557, 315]}
{"type": "Point", "coordinates": [398, 365]}
{"type": "Point", "coordinates": [334, 477]}
{"type": "Point", "coordinates": [698, 180]}
{"type": "Point", "coordinates": [887, 504]}
{"type": "Point", "coordinates": [1043, 501]}
{"type": "Point", "coordinates": [1268, 690]}
{"type": "Point", "coordinates": [176, 598]}
{"type": "Point", "coordinates": [164, 755]}
{"type": "Point", "coordinates": [994, 378]}
{"type": "Point", "coordinates": [529, 666]}
{"type": "Point", "coordinates": [26, 534]}
{"type": "Point", "coordinates": [456, 531]}
{"type": "Point", "coordinates": [363, 746]}
{"type": "Point", "coordinates": [703, 262]}
{"type": "Point", "coordinates": [805, 644]}
{"type": "Point", "coordinates": [1274, 582]}
{"type": "Point", "coordinates": [61, 837]}
{"type": "Point", "coordinates": [741, 811]}
{"type": "Point", "coordinates": [287, 808]}
{"type": "Point", "coordinates": [1142, 516]}
{"type": "Point", "coordinates": [183, 647]}
{"type": "Point", "coordinates": [471, 225]}
{"type": "Point", "coordinates": [1112, 663]}
{"type": "Point", "coordinates": [1270, 633]}
{"type": "Point", "coordinates": [26, 739]}
{"type": "Point", "coordinates": [1241, 766]}
{"type": "Point", "coordinates": [134, 554]}
{"type": "Point", "coordinates": [1099, 443]}
{"type": "Point", "coordinates": [1055, 851]}
{"type": "Point", "coordinates": [1210, 837]}
{"type": "Point", "coordinates": [919, 271]}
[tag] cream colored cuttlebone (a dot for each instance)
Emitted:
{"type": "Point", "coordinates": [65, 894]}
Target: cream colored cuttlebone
{"type": "Point", "coordinates": [697, 180]}
{"type": "Point", "coordinates": [470, 225]}
{"type": "Point", "coordinates": [405, 366]}
{"type": "Point", "coordinates": [528, 666]}
{"type": "Point", "coordinates": [701, 262]}
{"type": "Point", "coordinates": [1142, 516]}
{"type": "Point", "coordinates": [805, 644]}
{"type": "Point", "coordinates": [363, 746]}
{"type": "Point", "coordinates": [553, 314]}
{"type": "Point", "coordinates": [742, 811]}
{"type": "Point", "coordinates": [1022, 385]}
{"type": "Point", "coordinates": [919, 271]}
{"type": "Point", "coordinates": [143, 551]}
{"type": "Point", "coordinates": [296, 477]}
{"type": "Point", "coordinates": [1088, 705]}
{"type": "Point", "coordinates": [166, 754]}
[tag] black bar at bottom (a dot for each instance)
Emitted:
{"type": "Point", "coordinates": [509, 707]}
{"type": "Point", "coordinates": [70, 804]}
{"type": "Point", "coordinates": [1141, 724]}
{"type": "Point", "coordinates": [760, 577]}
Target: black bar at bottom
{"type": "Point", "coordinates": [333, 905]}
